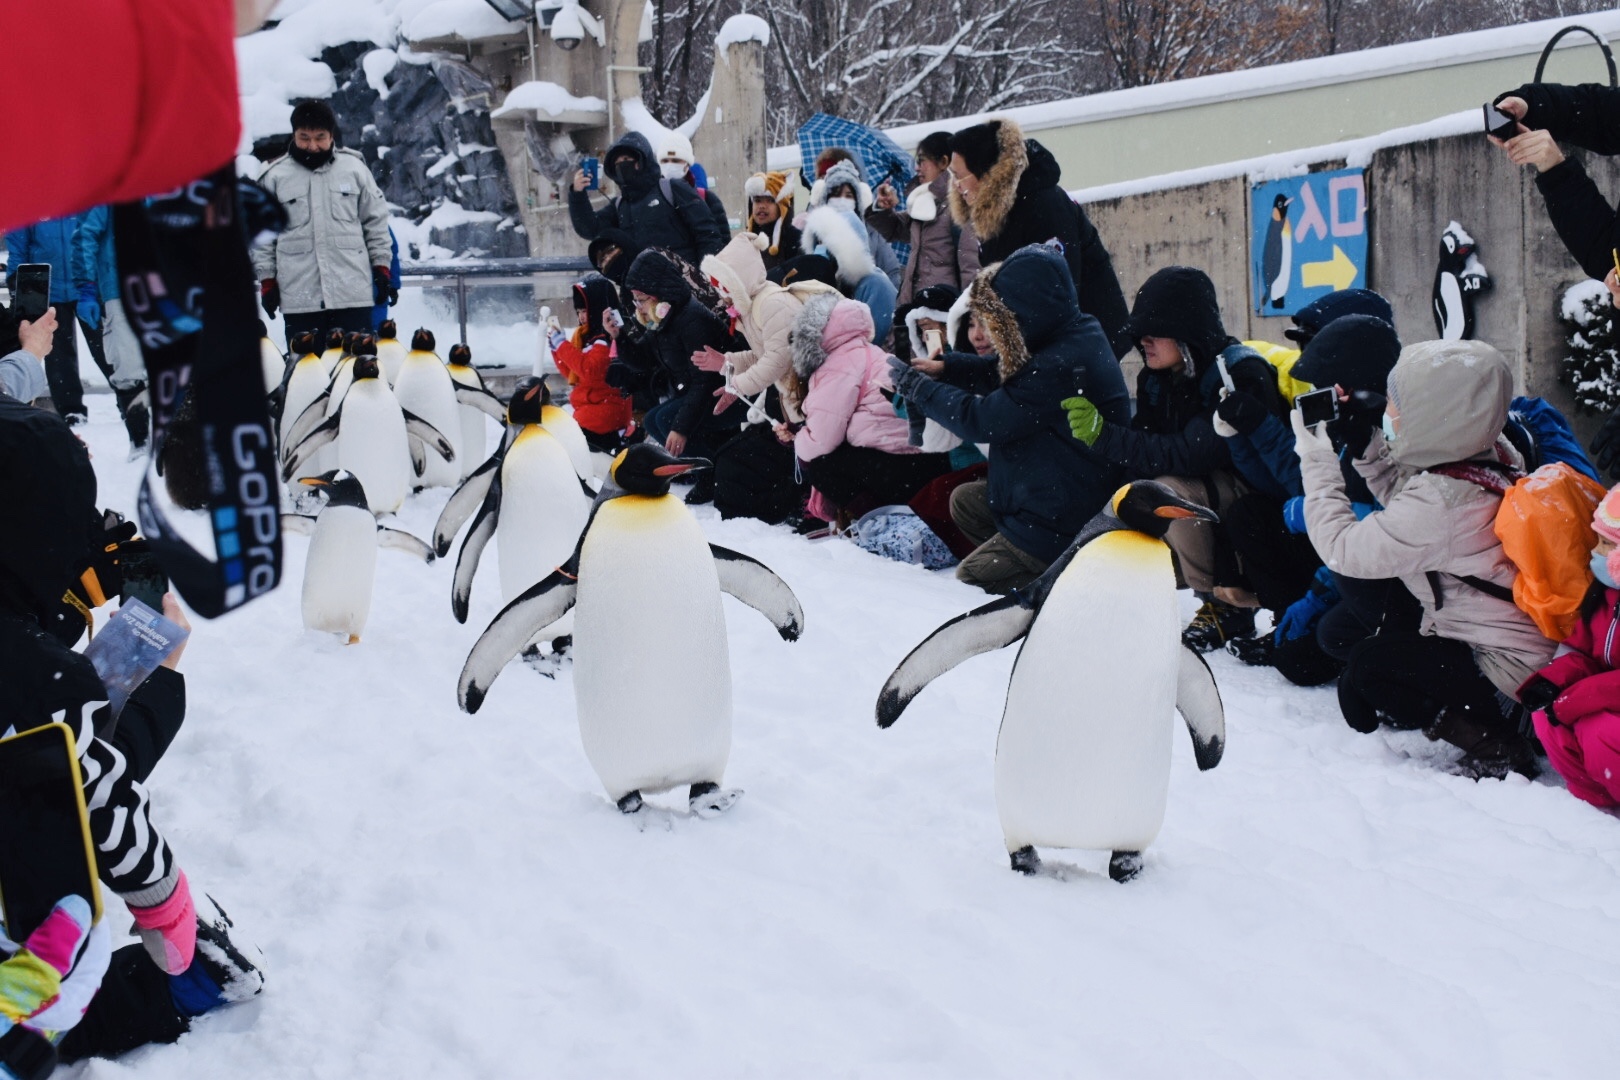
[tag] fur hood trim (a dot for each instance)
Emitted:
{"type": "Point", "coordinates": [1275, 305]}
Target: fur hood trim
{"type": "Point", "coordinates": [956, 318]}
{"type": "Point", "coordinates": [998, 188]}
{"type": "Point", "coordinates": [808, 327]}
{"type": "Point", "coordinates": [844, 236]}
{"type": "Point", "coordinates": [1000, 324]}
{"type": "Point", "coordinates": [916, 313]}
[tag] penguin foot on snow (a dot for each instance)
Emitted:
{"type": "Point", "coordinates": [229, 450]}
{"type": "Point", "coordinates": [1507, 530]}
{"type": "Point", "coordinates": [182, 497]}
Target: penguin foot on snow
{"type": "Point", "coordinates": [1025, 860]}
{"type": "Point", "coordinates": [707, 800]}
{"type": "Point", "coordinates": [1124, 865]}
{"type": "Point", "coordinates": [548, 663]}
{"type": "Point", "coordinates": [631, 803]}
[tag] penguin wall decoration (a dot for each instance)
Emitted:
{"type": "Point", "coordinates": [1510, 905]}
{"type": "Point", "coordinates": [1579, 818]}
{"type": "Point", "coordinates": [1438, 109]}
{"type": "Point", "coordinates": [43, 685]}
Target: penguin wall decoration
{"type": "Point", "coordinates": [341, 566]}
{"type": "Point", "coordinates": [1083, 755]}
{"type": "Point", "coordinates": [1459, 280]}
{"type": "Point", "coordinates": [1277, 259]}
{"type": "Point", "coordinates": [652, 671]}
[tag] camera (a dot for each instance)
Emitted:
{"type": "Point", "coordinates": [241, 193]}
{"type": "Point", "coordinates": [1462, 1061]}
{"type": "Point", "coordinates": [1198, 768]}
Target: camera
{"type": "Point", "coordinates": [1318, 407]}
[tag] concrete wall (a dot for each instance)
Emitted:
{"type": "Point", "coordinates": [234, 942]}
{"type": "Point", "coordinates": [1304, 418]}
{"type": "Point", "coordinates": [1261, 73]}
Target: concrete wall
{"type": "Point", "coordinates": [731, 141]}
{"type": "Point", "coordinates": [1413, 191]}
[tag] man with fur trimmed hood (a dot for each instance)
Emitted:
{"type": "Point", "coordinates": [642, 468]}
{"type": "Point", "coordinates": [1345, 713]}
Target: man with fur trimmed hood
{"type": "Point", "coordinates": [1039, 492]}
{"type": "Point", "coordinates": [1006, 187]}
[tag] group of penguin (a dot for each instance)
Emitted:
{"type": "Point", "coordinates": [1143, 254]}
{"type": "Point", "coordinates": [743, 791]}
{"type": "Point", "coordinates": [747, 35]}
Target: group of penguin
{"type": "Point", "coordinates": [623, 569]}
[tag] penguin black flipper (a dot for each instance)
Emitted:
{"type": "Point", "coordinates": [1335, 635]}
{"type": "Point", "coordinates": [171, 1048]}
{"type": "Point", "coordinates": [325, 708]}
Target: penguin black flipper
{"type": "Point", "coordinates": [430, 436]}
{"type": "Point", "coordinates": [1199, 701]}
{"type": "Point", "coordinates": [400, 540]}
{"type": "Point", "coordinates": [472, 548]}
{"type": "Point", "coordinates": [322, 436]}
{"type": "Point", "coordinates": [302, 524]}
{"type": "Point", "coordinates": [482, 399]}
{"type": "Point", "coordinates": [468, 498]}
{"type": "Point", "coordinates": [307, 420]}
{"type": "Point", "coordinates": [757, 585]}
{"type": "Point", "coordinates": [984, 629]}
{"type": "Point", "coordinates": [536, 608]}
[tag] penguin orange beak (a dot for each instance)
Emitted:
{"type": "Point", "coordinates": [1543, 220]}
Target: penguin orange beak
{"type": "Point", "coordinates": [313, 481]}
{"type": "Point", "coordinates": [1181, 512]}
{"type": "Point", "coordinates": [677, 469]}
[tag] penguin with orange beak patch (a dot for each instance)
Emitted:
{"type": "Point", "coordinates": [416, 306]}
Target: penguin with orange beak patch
{"type": "Point", "coordinates": [643, 582]}
{"type": "Point", "coordinates": [1083, 756]}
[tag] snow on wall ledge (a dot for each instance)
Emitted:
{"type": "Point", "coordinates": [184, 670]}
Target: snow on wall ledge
{"type": "Point", "coordinates": [549, 98]}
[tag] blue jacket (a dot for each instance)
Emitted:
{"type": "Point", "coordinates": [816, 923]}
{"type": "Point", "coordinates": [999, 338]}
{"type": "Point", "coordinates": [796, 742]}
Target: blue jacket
{"type": "Point", "coordinates": [94, 264]}
{"type": "Point", "coordinates": [1044, 485]}
{"type": "Point", "coordinates": [48, 242]}
{"type": "Point", "coordinates": [379, 312]}
{"type": "Point", "coordinates": [1266, 459]}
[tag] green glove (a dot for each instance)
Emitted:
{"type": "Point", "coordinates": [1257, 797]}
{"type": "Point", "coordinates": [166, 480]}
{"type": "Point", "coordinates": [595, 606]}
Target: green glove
{"type": "Point", "coordinates": [1085, 422]}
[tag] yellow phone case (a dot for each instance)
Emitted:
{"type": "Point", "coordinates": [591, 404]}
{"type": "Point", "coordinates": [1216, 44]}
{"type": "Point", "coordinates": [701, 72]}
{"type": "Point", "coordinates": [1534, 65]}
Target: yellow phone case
{"type": "Point", "coordinates": [65, 733]}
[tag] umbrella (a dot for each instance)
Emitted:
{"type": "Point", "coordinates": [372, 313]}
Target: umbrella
{"type": "Point", "coordinates": [880, 157]}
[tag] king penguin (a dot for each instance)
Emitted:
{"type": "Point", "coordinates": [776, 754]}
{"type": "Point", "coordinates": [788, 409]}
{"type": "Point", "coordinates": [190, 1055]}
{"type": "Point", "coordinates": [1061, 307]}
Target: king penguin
{"type": "Point", "coordinates": [372, 433]}
{"type": "Point", "coordinates": [425, 388]}
{"type": "Point", "coordinates": [390, 350]}
{"type": "Point", "coordinates": [529, 499]}
{"type": "Point", "coordinates": [647, 586]}
{"type": "Point", "coordinates": [1277, 259]}
{"type": "Point", "coordinates": [335, 351]}
{"type": "Point", "coordinates": [342, 560]}
{"type": "Point", "coordinates": [271, 360]}
{"type": "Point", "coordinates": [306, 380]}
{"type": "Point", "coordinates": [474, 439]}
{"type": "Point", "coordinates": [1083, 756]}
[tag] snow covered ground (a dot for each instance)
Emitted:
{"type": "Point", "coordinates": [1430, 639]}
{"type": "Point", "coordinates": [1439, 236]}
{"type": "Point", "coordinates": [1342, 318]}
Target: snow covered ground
{"type": "Point", "coordinates": [443, 895]}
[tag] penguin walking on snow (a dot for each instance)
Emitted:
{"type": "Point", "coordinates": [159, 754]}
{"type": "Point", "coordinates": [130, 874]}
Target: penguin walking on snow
{"type": "Point", "coordinates": [342, 560]}
{"type": "Point", "coordinates": [473, 429]}
{"type": "Point", "coordinates": [1458, 280]}
{"type": "Point", "coordinates": [1083, 756]}
{"type": "Point", "coordinates": [1277, 258]}
{"type": "Point", "coordinates": [306, 379]}
{"type": "Point", "coordinates": [372, 433]}
{"type": "Point", "coordinates": [652, 674]}
{"type": "Point", "coordinates": [425, 388]}
{"type": "Point", "coordinates": [390, 350]}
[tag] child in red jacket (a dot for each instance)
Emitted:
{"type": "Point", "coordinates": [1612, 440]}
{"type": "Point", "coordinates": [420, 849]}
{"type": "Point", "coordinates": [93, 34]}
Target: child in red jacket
{"type": "Point", "coordinates": [1577, 696]}
{"type": "Point", "coordinates": [602, 411]}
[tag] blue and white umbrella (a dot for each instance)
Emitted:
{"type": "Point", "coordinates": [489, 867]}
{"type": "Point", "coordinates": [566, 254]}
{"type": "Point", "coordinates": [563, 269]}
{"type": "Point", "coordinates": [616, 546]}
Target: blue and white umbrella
{"type": "Point", "coordinates": [880, 157]}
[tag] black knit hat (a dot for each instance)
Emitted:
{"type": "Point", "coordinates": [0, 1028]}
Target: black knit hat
{"type": "Point", "coordinates": [1309, 320]}
{"type": "Point", "coordinates": [314, 116]}
{"type": "Point", "coordinates": [979, 145]}
{"type": "Point", "coordinates": [52, 523]}
{"type": "Point", "coordinates": [628, 250]}
{"type": "Point", "coordinates": [1356, 352]}
{"type": "Point", "coordinates": [936, 146]}
{"type": "Point", "coordinates": [1179, 302]}
{"type": "Point", "coordinates": [656, 274]}
{"type": "Point", "coordinates": [804, 268]}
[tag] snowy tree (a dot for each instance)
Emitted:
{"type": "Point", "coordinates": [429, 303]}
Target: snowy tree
{"type": "Point", "coordinates": [1592, 368]}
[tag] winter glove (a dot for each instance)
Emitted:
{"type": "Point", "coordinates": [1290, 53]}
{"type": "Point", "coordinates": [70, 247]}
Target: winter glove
{"type": "Point", "coordinates": [1294, 514]}
{"type": "Point", "coordinates": [270, 296]}
{"type": "Point", "coordinates": [169, 930]}
{"type": "Point", "coordinates": [1301, 616]}
{"type": "Point", "coordinates": [908, 381]}
{"type": "Point", "coordinates": [1308, 441]}
{"type": "Point", "coordinates": [1358, 418]}
{"type": "Point", "coordinates": [89, 310]}
{"type": "Point", "coordinates": [1606, 446]}
{"type": "Point", "coordinates": [555, 339]}
{"type": "Point", "coordinates": [46, 984]}
{"type": "Point", "coordinates": [1242, 411]}
{"type": "Point", "coordinates": [382, 286]}
{"type": "Point", "coordinates": [1085, 422]}
{"type": "Point", "coordinates": [102, 576]}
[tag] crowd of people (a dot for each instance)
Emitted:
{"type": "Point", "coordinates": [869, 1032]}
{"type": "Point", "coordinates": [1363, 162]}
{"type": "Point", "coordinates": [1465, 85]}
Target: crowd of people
{"type": "Point", "coordinates": [973, 385]}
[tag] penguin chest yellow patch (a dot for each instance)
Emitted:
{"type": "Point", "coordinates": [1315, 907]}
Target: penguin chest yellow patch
{"type": "Point", "coordinates": [1128, 548]}
{"type": "Point", "coordinates": [529, 433]}
{"type": "Point", "coordinates": [637, 513]}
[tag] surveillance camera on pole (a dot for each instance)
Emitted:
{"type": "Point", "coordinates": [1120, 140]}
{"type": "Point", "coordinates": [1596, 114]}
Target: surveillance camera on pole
{"type": "Point", "coordinates": [571, 23]}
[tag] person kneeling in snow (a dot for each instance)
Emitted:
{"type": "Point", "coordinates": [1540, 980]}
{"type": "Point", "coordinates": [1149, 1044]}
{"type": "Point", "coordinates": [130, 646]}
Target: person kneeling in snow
{"type": "Point", "coordinates": [57, 551]}
{"type": "Point", "coordinates": [603, 412]}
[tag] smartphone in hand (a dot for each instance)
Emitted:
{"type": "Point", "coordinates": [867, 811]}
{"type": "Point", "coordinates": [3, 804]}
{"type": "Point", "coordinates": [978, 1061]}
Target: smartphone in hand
{"type": "Point", "coordinates": [32, 294]}
{"type": "Point", "coordinates": [592, 168]}
{"type": "Point", "coordinates": [1499, 123]}
{"type": "Point", "coordinates": [1318, 406]}
{"type": "Point", "coordinates": [935, 342]}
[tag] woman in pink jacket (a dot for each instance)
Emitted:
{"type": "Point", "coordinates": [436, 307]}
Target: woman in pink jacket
{"type": "Point", "coordinates": [1577, 696]}
{"type": "Point", "coordinates": [852, 445]}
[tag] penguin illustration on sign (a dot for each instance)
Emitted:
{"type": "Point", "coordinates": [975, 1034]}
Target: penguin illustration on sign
{"type": "Point", "coordinates": [644, 584]}
{"type": "Point", "coordinates": [342, 561]}
{"type": "Point", "coordinates": [1083, 756]}
{"type": "Point", "coordinates": [1277, 259]}
{"type": "Point", "coordinates": [1458, 281]}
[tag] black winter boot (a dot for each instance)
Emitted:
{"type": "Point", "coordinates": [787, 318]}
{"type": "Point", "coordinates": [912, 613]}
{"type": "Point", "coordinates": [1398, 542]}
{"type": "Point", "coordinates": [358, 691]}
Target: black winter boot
{"type": "Point", "coordinates": [1217, 623]}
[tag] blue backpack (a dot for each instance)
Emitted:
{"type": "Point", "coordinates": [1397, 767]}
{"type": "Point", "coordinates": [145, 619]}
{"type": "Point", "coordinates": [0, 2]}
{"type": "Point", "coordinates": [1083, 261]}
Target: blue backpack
{"type": "Point", "coordinates": [1541, 434]}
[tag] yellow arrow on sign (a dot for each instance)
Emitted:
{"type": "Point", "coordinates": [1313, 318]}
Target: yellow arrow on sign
{"type": "Point", "coordinates": [1338, 272]}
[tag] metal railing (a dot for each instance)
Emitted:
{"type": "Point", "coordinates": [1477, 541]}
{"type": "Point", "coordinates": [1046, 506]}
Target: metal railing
{"type": "Point", "coordinates": [458, 273]}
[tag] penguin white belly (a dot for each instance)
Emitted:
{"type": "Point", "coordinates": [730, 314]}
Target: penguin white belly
{"type": "Point", "coordinates": [303, 388]}
{"type": "Point", "coordinates": [543, 510]}
{"type": "Point", "coordinates": [390, 356]}
{"type": "Point", "coordinates": [426, 389]}
{"type": "Point", "coordinates": [474, 430]}
{"type": "Point", "coordinates": [326, 459]}
{"type": "Point", "coordinates": [339, 572]}
{"type": "Point", "coordinates": [274, 364]}
{"type": "Point", "coordinates": [1083, 757]}
{"type": "Point", "coordinates": [371, 444]}
{"type": "Point", "coordinates": [652, 671]}
{"type": "Point", "coordinates": [562, 424]}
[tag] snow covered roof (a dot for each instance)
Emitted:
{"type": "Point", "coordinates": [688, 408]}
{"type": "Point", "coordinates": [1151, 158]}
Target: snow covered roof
{"type": "Point", "coordinates": [468, 20]}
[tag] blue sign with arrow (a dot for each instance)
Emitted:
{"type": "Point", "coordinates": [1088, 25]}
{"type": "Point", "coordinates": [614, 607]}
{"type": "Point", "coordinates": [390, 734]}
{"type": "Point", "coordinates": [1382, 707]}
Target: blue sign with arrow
{"type": "Point", "coordinates": [1308, 238]}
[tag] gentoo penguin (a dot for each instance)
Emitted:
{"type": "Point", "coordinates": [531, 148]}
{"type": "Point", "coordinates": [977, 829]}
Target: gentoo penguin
{"type": "Point", "coordinates": [371, 432]}
{"type": "Point", "coordinates": [473, 428]}
{"type": "Point", "coordinates": [307, 379]}
{"type": "Point", "coordinates": [652, 674]}
{"type": "Point", "coordinates": [1277, 259]}
{"type": "Point", "coordinates": [1083, 757]}
{"type": "Point", "coordinates": [425, 388]}
{"type": "Point", "coordinates": [1458, 279]}
{"type": "Point", "coordinates": [390, 350]}
{"type": "Point", "coordinates": [529, 498]}
{"type": "Point", "coordinates": [342, 559]}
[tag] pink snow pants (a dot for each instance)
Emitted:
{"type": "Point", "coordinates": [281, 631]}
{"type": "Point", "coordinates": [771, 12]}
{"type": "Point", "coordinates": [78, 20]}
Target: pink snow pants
{"type": "Point", "coordinates": [1587, 757]}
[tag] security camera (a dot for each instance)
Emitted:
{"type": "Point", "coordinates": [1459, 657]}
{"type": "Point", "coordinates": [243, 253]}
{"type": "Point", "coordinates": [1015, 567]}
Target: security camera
{"type": "Point", "coordinates": [571, 23]}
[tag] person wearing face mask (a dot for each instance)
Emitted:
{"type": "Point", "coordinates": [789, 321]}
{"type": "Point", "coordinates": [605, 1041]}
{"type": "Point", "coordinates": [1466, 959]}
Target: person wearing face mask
{"type": "Point", "coordinates": [676, 164]}
{"type": "Point", "coordinates": [1577, 696]}
{"type": "Point", "coordinates": [330, 266]}
{"type": "Point", "coordinates": [865, 266]}
{"type": "Point", "coordinates": [1438, 466]}
{"type": "Point", "coordinates": [654, 210]}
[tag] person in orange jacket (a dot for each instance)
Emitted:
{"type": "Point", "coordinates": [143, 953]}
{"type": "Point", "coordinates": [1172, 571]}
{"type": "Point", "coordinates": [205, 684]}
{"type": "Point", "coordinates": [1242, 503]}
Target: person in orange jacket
{"type": "Point", "coordinates": [602, 411]}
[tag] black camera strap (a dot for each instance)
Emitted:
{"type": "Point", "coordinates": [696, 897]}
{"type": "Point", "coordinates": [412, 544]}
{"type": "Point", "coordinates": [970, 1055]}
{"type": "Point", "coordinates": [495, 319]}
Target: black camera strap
{"type": "Point", "coordinates": [188, 291]}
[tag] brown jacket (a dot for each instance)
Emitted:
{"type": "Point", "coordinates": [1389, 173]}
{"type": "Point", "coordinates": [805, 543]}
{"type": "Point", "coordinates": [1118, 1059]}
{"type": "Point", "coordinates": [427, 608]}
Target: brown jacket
{"type": "Point", "coordinates": [941, 253]}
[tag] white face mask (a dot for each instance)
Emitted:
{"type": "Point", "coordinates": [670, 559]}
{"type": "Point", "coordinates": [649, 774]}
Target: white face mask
{"type": "Point", "coordinates": [842, 203]}
{"type": "Point", "coordinates": [673, 170]}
